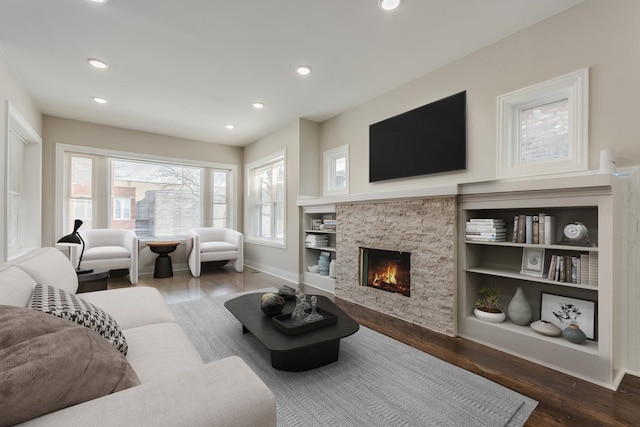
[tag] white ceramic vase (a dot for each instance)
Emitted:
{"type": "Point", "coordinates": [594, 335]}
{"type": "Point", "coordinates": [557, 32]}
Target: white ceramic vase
{"type": "Point", "coordinates": [519, 309]}
{"type": "Point", "coordinates": [489, 317]}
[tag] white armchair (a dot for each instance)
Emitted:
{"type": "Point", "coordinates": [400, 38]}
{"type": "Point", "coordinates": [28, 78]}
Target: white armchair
{"type": "Point", "coordinates": [112, 249]}
{"type": "Point", "coordinates": [214, 244]}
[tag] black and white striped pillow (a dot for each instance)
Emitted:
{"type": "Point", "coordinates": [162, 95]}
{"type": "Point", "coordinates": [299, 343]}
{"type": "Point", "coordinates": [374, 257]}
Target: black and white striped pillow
{"type": "Point", "coordinates": [60, 303]}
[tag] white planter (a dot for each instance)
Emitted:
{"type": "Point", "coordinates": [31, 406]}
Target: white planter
{"type": "Point", "coordinates": [489, 317]}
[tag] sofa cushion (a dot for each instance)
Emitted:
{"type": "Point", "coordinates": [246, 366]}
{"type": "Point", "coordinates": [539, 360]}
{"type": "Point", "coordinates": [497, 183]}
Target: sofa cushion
{"type": "Point", "coordinates": [159, 350]}
{"type": "Point", "coordinates": [58, 302]}
{"type": "Point", "coordinates": [16, 287]}
{"type": "Point", "coordinates": [50, 266]}
{"type": "Point", "coordinates": [217, 247]}
{"type": "Point", "coordinates": [105, 252]}
{"type": "Point", "coordinates": [47, 363]}
{"type": "Point", "coordinates": [132, 307]}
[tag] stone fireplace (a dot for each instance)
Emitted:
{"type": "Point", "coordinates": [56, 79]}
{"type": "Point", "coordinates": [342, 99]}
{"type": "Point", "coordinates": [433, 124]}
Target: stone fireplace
{"type": "Point", "coordinates": [425, 228]}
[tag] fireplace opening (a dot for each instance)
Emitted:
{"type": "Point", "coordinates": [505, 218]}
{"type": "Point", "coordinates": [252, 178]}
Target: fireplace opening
{"type": "Point", "coordinates": [386, 270]}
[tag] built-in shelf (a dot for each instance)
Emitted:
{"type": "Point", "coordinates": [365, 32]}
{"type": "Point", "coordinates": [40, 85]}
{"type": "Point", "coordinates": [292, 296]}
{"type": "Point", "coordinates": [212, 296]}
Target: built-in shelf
{"type": "Point", "coordinates": [310, 254]}
{"type": "Point", "coordinates": [590, 347]}
{"type": "Point", "coordinates": [520, 276]}
{"type": "Point", "coordinates": [499, 264]}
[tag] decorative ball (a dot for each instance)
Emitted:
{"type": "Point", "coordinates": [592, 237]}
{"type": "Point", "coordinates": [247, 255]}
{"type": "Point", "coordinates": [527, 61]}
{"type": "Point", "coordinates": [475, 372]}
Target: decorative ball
{"type": "Point", "coordinates": [272, 304]}
{"type": "Point", "coordinates": [287, 292]}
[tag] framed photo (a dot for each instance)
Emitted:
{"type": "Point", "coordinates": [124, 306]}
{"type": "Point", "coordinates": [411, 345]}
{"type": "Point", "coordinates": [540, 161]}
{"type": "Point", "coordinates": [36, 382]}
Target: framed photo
{"type": "Point", "coordinates": [562, 311]}
{"type": "Point", "coordinates": [533, 262]}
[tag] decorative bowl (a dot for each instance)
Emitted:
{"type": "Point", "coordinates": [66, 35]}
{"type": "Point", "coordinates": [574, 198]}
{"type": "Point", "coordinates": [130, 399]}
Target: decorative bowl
{"type": "Point", "coordinates": [313, 268]}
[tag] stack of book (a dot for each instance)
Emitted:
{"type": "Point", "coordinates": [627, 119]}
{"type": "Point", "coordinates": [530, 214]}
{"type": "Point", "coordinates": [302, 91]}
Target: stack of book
{"type": "Point", "coordinates": [317, 240]}
{"type": "Point", "coordinates": [328, 225]}
{"type": "Point", "coordinates": [486, 230]}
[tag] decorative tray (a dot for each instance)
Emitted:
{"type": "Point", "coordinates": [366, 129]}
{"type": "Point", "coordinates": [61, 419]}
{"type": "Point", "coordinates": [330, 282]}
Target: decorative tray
{"type": "Point", "coordinates": [284, 324]}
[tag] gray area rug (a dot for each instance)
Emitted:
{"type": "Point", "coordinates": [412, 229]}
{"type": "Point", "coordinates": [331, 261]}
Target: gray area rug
{"type": "Point", "coordinates": [377, 381]}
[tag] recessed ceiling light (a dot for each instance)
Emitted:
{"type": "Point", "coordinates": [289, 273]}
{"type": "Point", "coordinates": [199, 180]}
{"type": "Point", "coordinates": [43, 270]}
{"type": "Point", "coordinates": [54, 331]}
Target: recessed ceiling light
{"type": "Point", "coordinates": [303, 70]}
{"type": "Point", "coordinates": [97, 63]}
{"type": "Point", "coordinates": [389, 4]}
{"type": "Point", "coordinates": [258, 105]}
{"type": "Point", "coordinates": [229, 126]}
{"type": "Point", "coordinates": [100, 100]}
{"type": "Point", "coordinates": [99, 1]}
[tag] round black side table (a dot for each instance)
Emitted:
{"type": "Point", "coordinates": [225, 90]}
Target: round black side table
{"type": "Point", "coordinates": [163, 262]}
{"type": "Point", "coordinates": [95, 280]}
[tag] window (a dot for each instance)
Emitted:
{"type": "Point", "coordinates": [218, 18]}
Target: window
{"type": "Point", "coordinates": [220, 186]}
{"type": "Point", "coordinates": [168, 193]}
{"type": "Point", "coordinates": [543, 128]}
{"type": "Point", "coordinates": [21, 159]}
{"type": "Point", "coordinates": [156, 197]}
{"type": "Point", "coordinates": [80, 190]}
{"type": "Point", "coordinates": [266, 200]}
{"type": "Point", "coordinates": [336, 170]}
{"type": "Point", "coordinates": [14, 185]}
{"type": "Point", "coordinates": [121, 208]}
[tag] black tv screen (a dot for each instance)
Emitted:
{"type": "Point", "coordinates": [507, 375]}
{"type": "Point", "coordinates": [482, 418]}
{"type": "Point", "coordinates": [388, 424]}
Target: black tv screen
{"type": "Point", "coordinates": [427, 140]}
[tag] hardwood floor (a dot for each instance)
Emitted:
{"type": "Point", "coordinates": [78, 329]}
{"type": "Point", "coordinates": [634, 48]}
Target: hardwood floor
{"type": "Point", "coordinates": [563, 399]}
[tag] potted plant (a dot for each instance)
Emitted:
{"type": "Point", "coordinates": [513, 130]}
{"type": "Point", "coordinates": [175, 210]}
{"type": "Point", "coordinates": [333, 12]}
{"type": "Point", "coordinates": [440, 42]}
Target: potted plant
{"type": "Point", "coordinates": [487, 306]}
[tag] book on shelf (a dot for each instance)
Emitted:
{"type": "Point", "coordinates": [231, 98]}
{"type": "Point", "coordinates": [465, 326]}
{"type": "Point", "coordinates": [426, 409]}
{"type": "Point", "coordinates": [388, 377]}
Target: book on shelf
{"type": "Point", "coordinates": [528, 229]}
{"type": "Point", "coordinates": [486, 220]}
{"type": "Point", "coordinates": [487, 238]}
{"type": "Point", "coordinates": [533, 229]}
{"type": "Point", "coordinates": [498, 232]}
{"type": "Point", "coordinates": [593, 269]}
{"type": "Point", "coordinates": [584, 269]}
{"type": "Point", "coordinates": [549, 230]}
{"type": "Point", "coordinates": [521, 228]}
{"type": "Point", "coordinates": [551, 274]}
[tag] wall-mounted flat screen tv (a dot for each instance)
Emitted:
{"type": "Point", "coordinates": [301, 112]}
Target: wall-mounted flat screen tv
{"type": "Point", "coordinates": [427, 140]}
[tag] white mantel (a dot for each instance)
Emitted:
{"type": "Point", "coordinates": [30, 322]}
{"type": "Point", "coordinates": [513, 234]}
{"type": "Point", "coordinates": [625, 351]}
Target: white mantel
{"type": "Point", "coordinates": [588, 180]}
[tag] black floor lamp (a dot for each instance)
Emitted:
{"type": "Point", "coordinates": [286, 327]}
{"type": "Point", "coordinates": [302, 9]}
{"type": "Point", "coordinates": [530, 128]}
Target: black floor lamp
{"type": "Point", "coordinates": [75, 239]}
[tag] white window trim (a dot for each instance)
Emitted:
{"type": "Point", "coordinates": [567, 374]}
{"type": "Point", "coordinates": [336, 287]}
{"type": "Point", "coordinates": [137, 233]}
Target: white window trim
{"type": "Point", "coordinates": [248, 210]}
{"type": "Point", "coordinates": [574, 87]}
{"type": "Point", "coordinates": [31, 236]}
{"type": "Point", "coordinates": [330, 157]}
{"type": "Point", "coordinates": [61, 149]}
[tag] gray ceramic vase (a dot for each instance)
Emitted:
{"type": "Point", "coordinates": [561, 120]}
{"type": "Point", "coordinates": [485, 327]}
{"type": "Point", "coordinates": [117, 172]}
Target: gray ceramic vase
{"type": "Point", "coordinates": [519, 309]}
{"type": "Point", "coordinates": [574, 334]}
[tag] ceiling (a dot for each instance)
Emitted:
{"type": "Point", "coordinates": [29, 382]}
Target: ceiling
{"type": "Point", "coordinates": [187, 68]}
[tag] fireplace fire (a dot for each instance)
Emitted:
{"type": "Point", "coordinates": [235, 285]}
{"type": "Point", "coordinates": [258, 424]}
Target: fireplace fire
{"type": "Point", "coordinates": [386, 270]}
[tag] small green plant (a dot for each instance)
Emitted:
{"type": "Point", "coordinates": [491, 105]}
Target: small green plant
{"type": "Point", "coordinates": [488, 300]}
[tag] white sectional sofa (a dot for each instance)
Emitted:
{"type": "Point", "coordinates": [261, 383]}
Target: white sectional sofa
{"type": "Point", "coordinates": [177, 388]}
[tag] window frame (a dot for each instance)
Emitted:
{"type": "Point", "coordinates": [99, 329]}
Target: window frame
{"type": "Point", "coordinates": [103, 210]}
{"type": "Point", "coordinates": [250, 212]}
{"type": "Point", "coordinates": [29, 174]}
{"type": "Point", "coordinates": [575, 88]}
{"type": "Point", "coordinates": [330, 175]}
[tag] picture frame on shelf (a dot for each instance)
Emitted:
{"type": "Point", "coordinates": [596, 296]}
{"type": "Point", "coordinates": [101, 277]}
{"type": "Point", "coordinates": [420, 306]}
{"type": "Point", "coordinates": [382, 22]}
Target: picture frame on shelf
{"type": "Point", "coordinates": [533, 262]}
{"type": "Point", "coordinates": [562, 311]}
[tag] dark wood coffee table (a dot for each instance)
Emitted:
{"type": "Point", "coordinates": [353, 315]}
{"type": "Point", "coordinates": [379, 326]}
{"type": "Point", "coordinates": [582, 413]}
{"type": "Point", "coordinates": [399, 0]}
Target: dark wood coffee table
{"type": "Point", "coordinates": [295, 353]}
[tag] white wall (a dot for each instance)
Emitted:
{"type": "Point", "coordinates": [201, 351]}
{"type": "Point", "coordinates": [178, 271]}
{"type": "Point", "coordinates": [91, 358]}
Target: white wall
{"type": "Point", "coordinates": [598, 34]}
